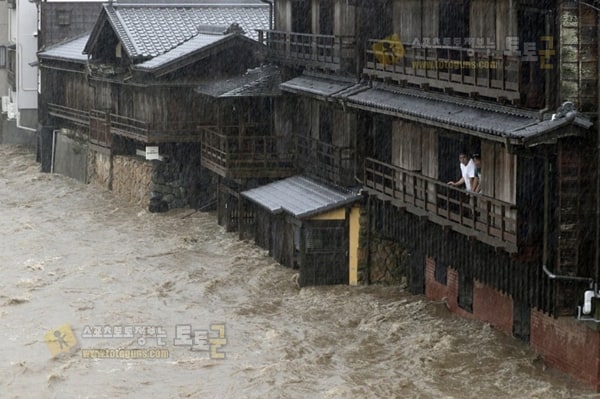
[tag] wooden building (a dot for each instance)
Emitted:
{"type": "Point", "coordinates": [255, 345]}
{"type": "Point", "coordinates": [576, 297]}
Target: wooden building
{"type": "Point", "coordinates": [405, 86]}
{"type": "Point", "coordinates": [376, 97]}
{"type": "Point", "coordinates": [308, 226]}
{"type": "Point", "coordinates": [134, 83]}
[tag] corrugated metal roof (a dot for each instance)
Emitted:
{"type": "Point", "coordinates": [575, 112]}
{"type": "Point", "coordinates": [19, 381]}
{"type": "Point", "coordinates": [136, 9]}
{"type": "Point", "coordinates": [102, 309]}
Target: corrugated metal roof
{"type": "Point", "coordinates": [299, 196]}
{"type": "Point", "coordinates": [315, 85]}
{"type": "Point", "coordinates": [68, 51]}
{"type": "Point", "coordinates": [261, 81]}
{"type": "Point", "coordinates": [148, 31]}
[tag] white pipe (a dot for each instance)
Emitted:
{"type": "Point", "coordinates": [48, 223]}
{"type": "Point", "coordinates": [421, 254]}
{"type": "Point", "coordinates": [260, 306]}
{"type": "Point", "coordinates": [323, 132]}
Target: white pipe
{"type": "Point", "coordinates": [19, 126]}
{"type": "Point", "coordinates": [52, 154]}
{"type": "Point", "coordinates": [587, 301]}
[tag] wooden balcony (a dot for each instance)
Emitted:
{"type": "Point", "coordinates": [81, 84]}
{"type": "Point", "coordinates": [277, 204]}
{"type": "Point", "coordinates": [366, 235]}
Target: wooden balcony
{"type": "Point", "coordinates": [77, 116]}
{"type": "Point", "coordinates": [326, 52]}
{"type": "Point", "coordinates": [474, 72]}
{"type": "Point", "coordinates": [476, 216]}
{"type": "Point", "coordinates": [331, 163]}
{"type": "Point", "coordinates": [147, 132]}
{"type": "Point", "coordinates": [99, 134]}
{"type": "Point", "coordinates": [231, 155]}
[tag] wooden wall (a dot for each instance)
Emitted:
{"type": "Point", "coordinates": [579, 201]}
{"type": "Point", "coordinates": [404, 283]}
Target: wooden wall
{"type": "Point", "coordinates": [409, 20]}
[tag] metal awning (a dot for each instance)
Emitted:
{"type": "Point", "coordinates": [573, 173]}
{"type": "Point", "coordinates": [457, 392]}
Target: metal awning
{"type": "Point", "coordinates": [299, 196]}
{"type": "Point", "coordinates": [492, 121]}
{"type": "Point", "coordinates": [316, 85]}
{"type": "Point", "coordinates": [258, 82]}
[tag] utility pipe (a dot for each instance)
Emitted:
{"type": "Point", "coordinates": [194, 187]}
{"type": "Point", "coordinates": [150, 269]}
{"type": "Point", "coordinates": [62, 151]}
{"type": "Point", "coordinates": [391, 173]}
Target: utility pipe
{"type": "Point", "coordinates": [553, 276]}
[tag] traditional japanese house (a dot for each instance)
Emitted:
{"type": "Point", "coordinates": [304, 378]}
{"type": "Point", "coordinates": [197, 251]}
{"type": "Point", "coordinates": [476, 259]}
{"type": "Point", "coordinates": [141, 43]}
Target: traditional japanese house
{"type": "Point", "coordinates": [135, 96]}
{"type": "Point", "coordinates": [418, 82]}
{"type": "Point", "coordinates": [314, 47]}
{"type": "Point", "coordinates": [241, 149]}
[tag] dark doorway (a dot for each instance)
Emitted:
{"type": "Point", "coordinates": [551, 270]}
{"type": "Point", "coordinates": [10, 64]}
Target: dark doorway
{"type": "Point", "coordinates": [324, 244]}
{"type": "Point", "coordinates": [532, 26]}
{"type": "Point", "coordinates": [301, 16]}
{"type": "Point", "coordinates": [454, 19]}
{"type": "Point", "coordinates": [325, 17]}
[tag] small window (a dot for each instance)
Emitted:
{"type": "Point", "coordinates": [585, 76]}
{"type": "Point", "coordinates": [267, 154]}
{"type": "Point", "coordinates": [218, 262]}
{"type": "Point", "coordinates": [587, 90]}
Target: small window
{"type": "Point", "coordinates": [2, 56]}
{"type": "Point", "coordinates": [63, 17]}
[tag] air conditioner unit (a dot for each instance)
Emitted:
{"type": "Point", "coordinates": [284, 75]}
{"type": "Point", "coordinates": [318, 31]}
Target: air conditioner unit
{"type": "Point", "coordinates": [5, 102]}
{"type": "Point", "coordinates": [12, 111]}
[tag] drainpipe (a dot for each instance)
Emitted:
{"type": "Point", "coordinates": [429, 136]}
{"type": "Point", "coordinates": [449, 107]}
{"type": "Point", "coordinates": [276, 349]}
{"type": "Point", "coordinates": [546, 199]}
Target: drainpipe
{"type": "Point", "coordinates": [270, 3]}
{"type": "Point", "coordinates": [597, 255]}
{"type": "Point", "coordinates": [546, 210]}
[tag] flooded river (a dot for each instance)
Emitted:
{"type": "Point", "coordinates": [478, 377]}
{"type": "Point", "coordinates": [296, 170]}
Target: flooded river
{"type": "Point", "coordinates": [155, 300]}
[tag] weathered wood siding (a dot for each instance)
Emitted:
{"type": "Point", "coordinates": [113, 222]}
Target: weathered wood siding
{"type": "Point", "coordinates": [416, 19]}
{"type": "Point", "coordinates": [406, 145]}
{"type": "Point", "coordinates": [578, 44]}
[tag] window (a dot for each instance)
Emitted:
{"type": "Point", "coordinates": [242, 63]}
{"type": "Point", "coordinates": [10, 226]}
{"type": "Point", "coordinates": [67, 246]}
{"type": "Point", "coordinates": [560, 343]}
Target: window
{"type": "Point", "coordinates": [63, 17]}
{"type": "Point", "coordinates": [2, 56]}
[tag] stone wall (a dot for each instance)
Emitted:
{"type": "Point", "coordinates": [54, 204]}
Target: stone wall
{"type": "Point", "coordinates": [100, 169]}
{"type": "Point", "coordinates": [131, 179]}
{"type": "Point", "coordinates": [167, 189]}
{"type": "Point", "coordinates": [177, 181]}
{"type": "Point", "coordinates": [388, 260]}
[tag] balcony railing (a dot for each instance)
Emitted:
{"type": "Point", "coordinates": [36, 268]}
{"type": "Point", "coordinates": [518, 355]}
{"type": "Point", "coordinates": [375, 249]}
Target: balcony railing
{"type": "Point", "coordinates": [487, 219]}
{"type": "Point", "coordinates": [326, 161]}
{"type": "Point", "coordinates": [322, 51]}
{"type": "Point", "coordinates": [147, 132]}
{"type": "Point", "coordinates": [488, 73]}
{"type": "Point", "coordinates": [99, 133]}
{"type": "Point", "coordinates": [229, 154]}
{"type": "Point", "coordinates": [77, 116]}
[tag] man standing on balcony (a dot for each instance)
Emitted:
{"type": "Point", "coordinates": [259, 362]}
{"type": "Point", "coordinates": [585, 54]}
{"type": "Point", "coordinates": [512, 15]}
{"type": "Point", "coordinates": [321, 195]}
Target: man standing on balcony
{"type": "Point", "coordinates": [467, 169]}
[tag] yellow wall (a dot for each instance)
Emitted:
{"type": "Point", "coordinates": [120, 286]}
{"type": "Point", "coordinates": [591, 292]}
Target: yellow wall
{"type": "Point", "coordinates": [353, 244]}
{"type": "Point", "coordinates": [336, 214]}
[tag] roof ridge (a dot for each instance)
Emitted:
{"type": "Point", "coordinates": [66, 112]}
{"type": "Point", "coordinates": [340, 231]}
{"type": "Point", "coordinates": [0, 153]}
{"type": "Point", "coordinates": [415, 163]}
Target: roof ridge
{"type": "Point", "coordinates": [121, 30]}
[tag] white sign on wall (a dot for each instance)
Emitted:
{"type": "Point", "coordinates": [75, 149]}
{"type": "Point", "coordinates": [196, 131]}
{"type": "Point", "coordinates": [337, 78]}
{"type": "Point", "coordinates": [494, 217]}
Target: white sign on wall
{"type": "Point", "coordinates": [152, 152]}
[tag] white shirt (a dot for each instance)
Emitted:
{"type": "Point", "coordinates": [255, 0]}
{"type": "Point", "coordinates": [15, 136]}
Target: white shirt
{"type": "Point", "coordinates": [468, 172]}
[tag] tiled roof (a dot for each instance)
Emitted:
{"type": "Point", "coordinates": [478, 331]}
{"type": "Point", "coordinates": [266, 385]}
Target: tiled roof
{"type": "Point", "coordinates": [189, 47]}
{"type": "Point", "coordinates": [299, 196]}
{"type": "Point", "coordinates": [261, 81]}
{"type": "Point", "coordinates": [147, 31]}
{"type": "Point", "coordinates": [464, 115]}
{"type": "Point", "coordinates": [69, 51]}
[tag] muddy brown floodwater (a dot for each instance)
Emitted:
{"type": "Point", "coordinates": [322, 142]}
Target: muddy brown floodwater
{"type": "Point", "coordinates": [129, 284]}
